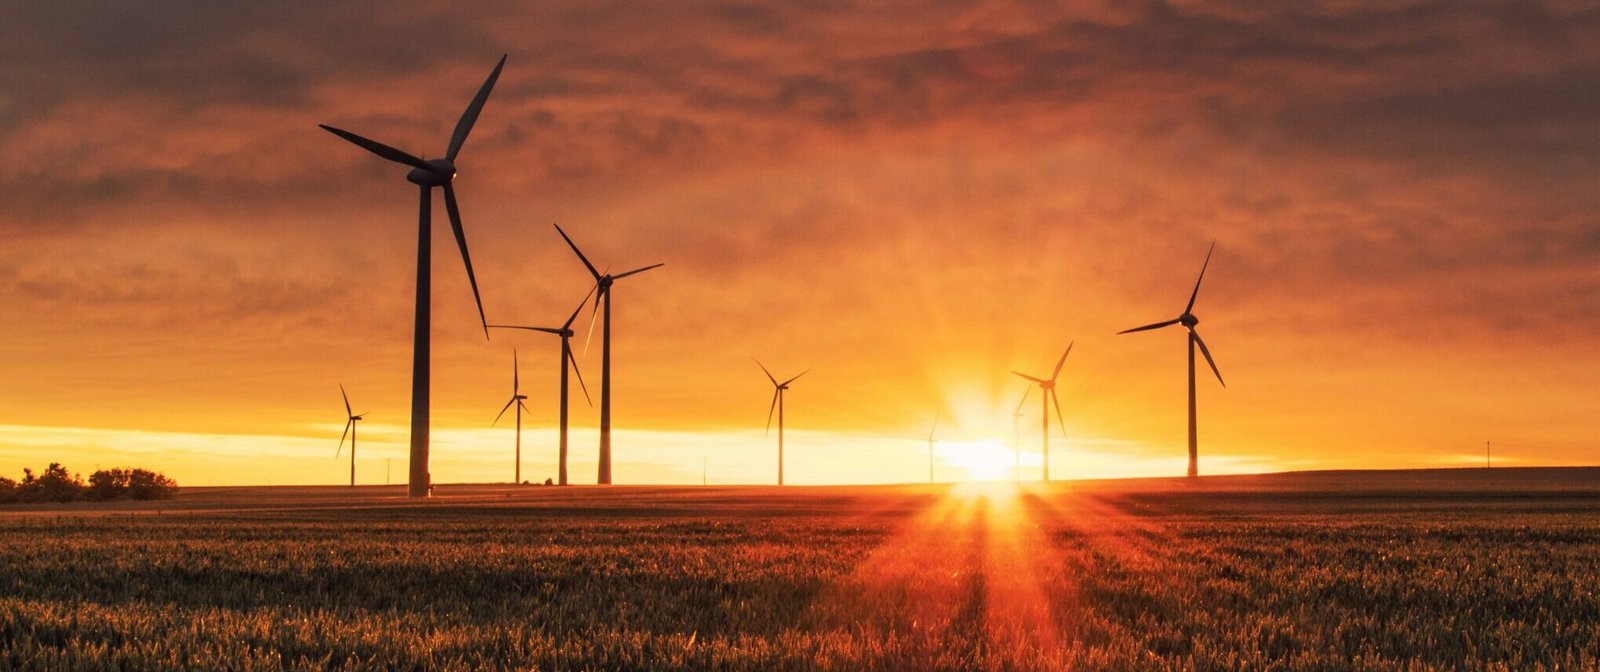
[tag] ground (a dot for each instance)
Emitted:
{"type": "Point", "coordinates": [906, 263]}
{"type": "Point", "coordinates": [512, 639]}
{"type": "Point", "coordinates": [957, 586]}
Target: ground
{"type": "Point", "coordinates": [1438, 570]}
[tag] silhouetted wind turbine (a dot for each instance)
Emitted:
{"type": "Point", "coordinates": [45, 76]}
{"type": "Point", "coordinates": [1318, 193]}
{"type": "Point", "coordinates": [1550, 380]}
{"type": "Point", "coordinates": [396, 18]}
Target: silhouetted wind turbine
{"type": "Point", "coordinates": [1188, 320]}
{"type": "Point", "coordinates": [516, 399]}
{"type": "Point", "coordinates": [427, 174]}
{"type": "Point", "coordinates": [602, 284]}
{"type": "Point", "coordinates": [350, 431]}
{"type": "Point", "coordinates": [1049, 390]}
{"type": "Point", "coordinates": [565, 332]}
{"type": "Point", "coordinates": [777, 405]}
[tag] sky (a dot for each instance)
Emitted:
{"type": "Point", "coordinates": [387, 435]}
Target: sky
{"type": "Point", "coordinates": [909, 199]}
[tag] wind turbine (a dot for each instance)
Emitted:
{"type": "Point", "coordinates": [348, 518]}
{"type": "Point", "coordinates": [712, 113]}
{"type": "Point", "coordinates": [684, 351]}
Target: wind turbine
{"type": "Point", "coordinates": [1049, 391]}
{"type": "Point", "coordinates": [777, 405]}
{"type": "Point", "coordinates": [602, 284]}
{"type": "Point", "coordinates": [930, 448]}
{"type": "Point", "coordinates": [427, 174]}
{"type": "Point", "coordinates": [1188, 320]}
{"type": "Point", "coordinates": [516, 398]}
{"type": "Point", "coordinates": [565, 332]}
{"type": "Point", "coordinates": [350, 431]}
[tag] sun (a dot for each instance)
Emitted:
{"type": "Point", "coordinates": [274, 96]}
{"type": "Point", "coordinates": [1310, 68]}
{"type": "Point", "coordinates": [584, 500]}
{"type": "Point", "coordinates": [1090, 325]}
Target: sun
{"type": "Point", "coordinates": [978, 460]}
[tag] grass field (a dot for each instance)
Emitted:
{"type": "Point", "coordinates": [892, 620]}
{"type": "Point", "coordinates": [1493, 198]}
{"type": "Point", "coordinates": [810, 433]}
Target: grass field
{"type": "Point", "coordinates": [1449, 570]}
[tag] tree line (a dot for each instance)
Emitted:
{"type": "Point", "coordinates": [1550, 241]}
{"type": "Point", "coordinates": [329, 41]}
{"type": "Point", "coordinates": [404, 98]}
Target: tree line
{"type": "Point", "coordinates": [57, 484]}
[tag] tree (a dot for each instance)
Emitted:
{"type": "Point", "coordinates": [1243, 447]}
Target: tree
{"type": "Point", "coordinates": [57, 484]}
{"type": "Point", "coordinates": [8, 490]}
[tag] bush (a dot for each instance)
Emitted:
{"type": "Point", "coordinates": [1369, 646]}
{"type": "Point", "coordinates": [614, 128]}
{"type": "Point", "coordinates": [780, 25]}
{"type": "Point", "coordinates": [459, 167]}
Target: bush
{"type": "Point", "coordinates": [56, 484]}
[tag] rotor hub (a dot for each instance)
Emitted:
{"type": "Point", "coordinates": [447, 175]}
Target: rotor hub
{"type": "Point", "coordinates": [442, 172]}
{"type": "Point", "coordinates": [1188, 320]}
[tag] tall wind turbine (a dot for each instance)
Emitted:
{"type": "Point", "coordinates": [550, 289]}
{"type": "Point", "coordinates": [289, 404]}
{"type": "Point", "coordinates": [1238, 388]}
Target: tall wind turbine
{"type": "Point", "coordinates": [777, 405]}
{"type": "Point", "coordinates": [427, 174]}
{"type": "Point", "coordinates": [350, 431]}
{"type": "Point", "coordinates": [935, 428]}
{"type": "Point", "coordinates": [602, 284]}
{"type": "Point", "coordinates": [565, 332]}
{"type": "Point", "coordinates": [1188, 320]}
{"type": "Point", "coordinates": [516, 399]}
{"type": "Point", "coordinates": [1048, 387]}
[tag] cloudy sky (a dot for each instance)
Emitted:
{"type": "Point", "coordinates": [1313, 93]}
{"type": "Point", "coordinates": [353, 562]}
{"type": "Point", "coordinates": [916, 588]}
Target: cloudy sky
{"type": "Point", "coordinates": [909, 198]}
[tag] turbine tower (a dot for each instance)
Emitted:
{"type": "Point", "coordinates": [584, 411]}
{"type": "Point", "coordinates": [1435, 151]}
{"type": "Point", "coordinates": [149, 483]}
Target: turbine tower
{"type": "Point", "coordinates": [349, 430]}
{"type": "Point", "coordinates": [427, 174]}
{"type": "Point", "coordinates": [777, 405]}
{"type": "Point", "coordinates": [1048, 387]}
{"type": "Point", "coordinates": [516, 399]}
{"type": "Point", "coordinates": [935, 428]}
{"type": "Point", "coordinates": [602, 285]}
{"type": "Point", "coordinates": [1188, 320]}
{"type": "Point", "coordinates": [565, 332]}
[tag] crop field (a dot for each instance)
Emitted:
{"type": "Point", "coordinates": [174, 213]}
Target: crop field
{"type": "Point", "coordinates": [1458, 570]}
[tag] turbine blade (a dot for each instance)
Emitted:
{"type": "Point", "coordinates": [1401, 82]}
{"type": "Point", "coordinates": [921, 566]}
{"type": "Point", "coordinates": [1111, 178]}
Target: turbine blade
{"type": "Point", "coordinates": [934, 429]}
{"type": "Point", "coordinates": [1148, 327]}
{"type": "Point", "coordinates": [592, 318]}
{"type": "Point", "coordinates": [379, 148]}
{"type": "Point", "coordinates": [638, 270]}
{"type": "Point", "coordinates": [340, 449]}
{"type": "Point", "coordinates": [575, 250]}
{"type": "Point", "coordinates": [1024, 399]}
{"type": "Point", "coordinates": [503, 411]}
{"type": "Point", "coordinates": [764, 370]}
{"type": "Point", "coordinates": [786, 382]}
{"type": "Point", "coordinates": [1036, 380]}
{"type": "Point", "coordinates": [547, 330]}
{"type": "Point", "coordinates": [772, 409]}
{"type": "Point", "coordinates": [574, 362]}
{"type": "Point", "coordinates": [522, 406]}
{"type": "Point", "coordinates": [1063, 360]}
{"type": "Point", "coordinates": [579, 309]}
{"type": "Point", "coordinates": [516, 374]}
{"type": "Point", "coordinates": [347, 410]}
{"type": "Point", "coordinates": [1056, 398]}
{"type": "Point", "coordinates": [1203, 266]}
{"type": "Point", "coordinates": [470, 116]}
{"type": "Point", "coordinates": [461, 241]}
{"type": "Point", "coordinates": [1207, 352]}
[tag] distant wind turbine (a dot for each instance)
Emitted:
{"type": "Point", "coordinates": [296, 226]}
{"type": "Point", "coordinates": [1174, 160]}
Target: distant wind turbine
{"type": "Point", "coordinates": [1048, 387]}
{"type": "Point", "coordinates": [777, 405]}
{"type": "Point", "coordinates": [602, 284]}
{"type": "Point", "coordinates": [427, 174]}
{"type": "Point", "coordinates": [516, 399]}
{"type": "Point", "coordinates": [935, 428]}
{"type": "Point", "coordinates": [1188, 320]}
{"type": "Point", "coordinates": [567, 359]}
{"type": "Point", "coordinates": [350, 431]}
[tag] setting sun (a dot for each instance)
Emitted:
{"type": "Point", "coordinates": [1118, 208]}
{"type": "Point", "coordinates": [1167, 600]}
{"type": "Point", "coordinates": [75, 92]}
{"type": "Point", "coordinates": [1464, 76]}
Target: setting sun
{"type": "Point", "coordinates": [978, 460]}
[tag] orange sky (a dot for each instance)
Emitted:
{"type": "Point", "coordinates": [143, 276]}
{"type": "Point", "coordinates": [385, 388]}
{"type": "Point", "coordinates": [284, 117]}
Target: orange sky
{"type": "Point", "coordinates": [909, 198]}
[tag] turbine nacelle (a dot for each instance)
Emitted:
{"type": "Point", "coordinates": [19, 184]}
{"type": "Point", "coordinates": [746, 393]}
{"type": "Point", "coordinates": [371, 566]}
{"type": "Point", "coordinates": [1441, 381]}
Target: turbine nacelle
{"type": "Point", "coordinates": [440, 173]}
{"type": "Point", "coordinates": [1188, 320]}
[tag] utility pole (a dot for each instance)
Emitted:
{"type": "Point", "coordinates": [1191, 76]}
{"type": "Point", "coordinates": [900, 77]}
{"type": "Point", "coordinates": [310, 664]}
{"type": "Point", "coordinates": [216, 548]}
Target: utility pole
{"type": "Point", "coordinates": [1486, 455]}
{"type": "Point", "coordinates": [703, 479]}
